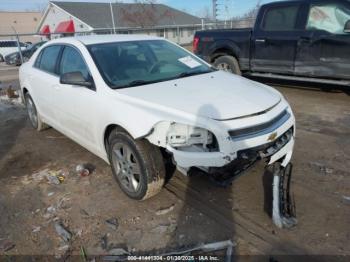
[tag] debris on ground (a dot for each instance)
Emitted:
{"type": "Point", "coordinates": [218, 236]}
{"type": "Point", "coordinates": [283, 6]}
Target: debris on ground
{"type": "Point", "coordinates": [120, 252]}
{"type": "Point", "coordinates": [328, 170]}
{"type": "Point", "coordinates": [324, 170]}
{"type": "Point", "coordinates": [7, 94]}
{"type": "Point", "coordinates": [83, 212]}
{"type": "Point", "coordinates": [83, 254]}
{"type": "Point", "coordinates": [62, 203]}
{"type": "Point", "coordinates": [164, 229]}
{"type": "Point", "coordinates": [63, 248]}
{"type": "Point", "coordinates": [53, 180]}
{"type": "Point", "coordinates": [51, 209]}
{"type": "Point", "coordinates": [165, 210]}
{"type": "Point", "coordinates": [36, 229]}
{"type": "Point", "coordinates": [38, 177]}
{"type": "Point", "coordinates": [11, 93]}
{"type": "Point", "coordinates": [79, 232]}
{"type": "Point", "coordinates": [53, 177]}
{"type": "Point", "coordinates": [104, 242]}
{"type": "Point", "coordinates": [63, 232]}
{"type": "Point", "coordinates": [6, 245]}
{"type": "Point", "coordinates": [113, 223]}
{"type": "Point", "coordinates": [211, 247]}
{"type": "Point", "coordinates": [346, 198]}
{"type": "Point", "coordinates": [56, 177]}
{"type": "Point", "coordinates": [84, 169]}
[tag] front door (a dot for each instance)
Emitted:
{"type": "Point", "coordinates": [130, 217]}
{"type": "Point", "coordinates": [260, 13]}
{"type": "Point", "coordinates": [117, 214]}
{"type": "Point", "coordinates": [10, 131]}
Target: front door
{"type": "Point", "coordinates": [324, 51]}
{"type": "Point", "coordinates": [275, 39]}
{"type": "Point", "coordinates": [77, 105]}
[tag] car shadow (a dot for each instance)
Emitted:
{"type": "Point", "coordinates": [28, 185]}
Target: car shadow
{"type": "Point", "coordinates": [196, 192]}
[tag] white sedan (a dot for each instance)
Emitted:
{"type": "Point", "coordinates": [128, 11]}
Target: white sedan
{"type": "Point", "coordinates": [136, 101]}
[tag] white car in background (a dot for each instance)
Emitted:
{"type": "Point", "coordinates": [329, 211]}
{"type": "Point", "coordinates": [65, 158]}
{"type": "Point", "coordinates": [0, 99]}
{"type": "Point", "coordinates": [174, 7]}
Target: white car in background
{"type": "Point", "coordinates": [8, 47]}
{"type": "Point", "coordinates": [135, 101]}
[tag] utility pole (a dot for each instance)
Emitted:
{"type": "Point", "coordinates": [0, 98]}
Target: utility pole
{"type": "Point", "coordinates": [18, 45]}
{"type": "Point", "coordinates": [215, 10]}
{"type": "Point", "coordinates": [112, 15]}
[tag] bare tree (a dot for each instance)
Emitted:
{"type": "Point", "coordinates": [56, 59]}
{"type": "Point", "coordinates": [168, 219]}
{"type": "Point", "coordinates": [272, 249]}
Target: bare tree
{"type": "Point", "coordinates": [145, 14]}
{"type": "Point", "coordinates": [251, 13]}
{"type": "Point", "coordinates": [204, 13]}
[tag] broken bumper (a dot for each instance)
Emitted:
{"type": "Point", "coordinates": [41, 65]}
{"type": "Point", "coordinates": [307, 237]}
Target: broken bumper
{"type": "Point", "coordinates": [282, 147]}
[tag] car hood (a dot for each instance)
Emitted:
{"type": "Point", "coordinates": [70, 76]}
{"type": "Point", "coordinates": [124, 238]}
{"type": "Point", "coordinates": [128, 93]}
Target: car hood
{"type": "Point", "coordinates": [218, 95]}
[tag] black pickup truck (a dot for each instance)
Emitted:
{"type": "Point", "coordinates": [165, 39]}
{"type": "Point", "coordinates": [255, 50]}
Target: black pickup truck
{"type": "Point", "coordinates": [301, 39]}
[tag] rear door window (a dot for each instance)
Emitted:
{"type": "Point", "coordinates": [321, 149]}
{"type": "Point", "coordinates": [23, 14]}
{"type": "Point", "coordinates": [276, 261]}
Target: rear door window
{"type": "Point", "coordinates": [282, 18]}
{"type": "Point", "coordinates": [328, 17]}
{"type": "Point", "coordinates": [48, 59]}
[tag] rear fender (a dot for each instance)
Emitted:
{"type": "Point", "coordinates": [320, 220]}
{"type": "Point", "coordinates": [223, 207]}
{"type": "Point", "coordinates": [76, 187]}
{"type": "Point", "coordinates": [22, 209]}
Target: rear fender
{"type": "Point", "coordinates": [224, 47]}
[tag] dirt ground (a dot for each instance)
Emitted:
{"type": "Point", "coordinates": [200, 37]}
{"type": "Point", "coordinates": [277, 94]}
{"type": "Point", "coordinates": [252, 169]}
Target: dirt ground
{"type": "Point", "coordinates": [188, 211]}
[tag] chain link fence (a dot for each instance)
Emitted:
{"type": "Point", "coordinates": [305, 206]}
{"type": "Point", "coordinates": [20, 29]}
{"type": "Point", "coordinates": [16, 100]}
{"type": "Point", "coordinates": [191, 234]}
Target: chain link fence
{"type": "Point", "coordinates": [24, 44]}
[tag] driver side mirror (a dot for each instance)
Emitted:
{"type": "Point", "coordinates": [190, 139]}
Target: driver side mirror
{"type": "Point", "coordinates": [76, 79]}
{"type": "Point", "coordinates": [347, 27]}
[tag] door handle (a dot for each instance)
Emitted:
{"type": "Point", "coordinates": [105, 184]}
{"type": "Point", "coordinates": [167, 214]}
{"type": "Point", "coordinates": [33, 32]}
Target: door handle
{"type": "Point", "coordinates": [260, 40]}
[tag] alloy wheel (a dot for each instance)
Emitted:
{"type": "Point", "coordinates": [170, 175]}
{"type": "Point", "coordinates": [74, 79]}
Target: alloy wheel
{"type": "Point", "coordinates": [126, 167]}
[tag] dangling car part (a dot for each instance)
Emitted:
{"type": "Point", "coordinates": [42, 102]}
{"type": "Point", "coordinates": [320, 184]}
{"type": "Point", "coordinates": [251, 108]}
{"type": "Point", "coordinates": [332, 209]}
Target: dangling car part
{"type": "Point", "coordinates": [283, 205]}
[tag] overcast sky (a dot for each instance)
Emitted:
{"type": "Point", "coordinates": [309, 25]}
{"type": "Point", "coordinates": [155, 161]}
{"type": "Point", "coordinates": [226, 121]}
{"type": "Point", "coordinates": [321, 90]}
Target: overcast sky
{"type": "Point", "coordinates": [228, 8]}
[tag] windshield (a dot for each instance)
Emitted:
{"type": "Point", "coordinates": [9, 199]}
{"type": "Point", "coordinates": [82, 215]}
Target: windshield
{"type": "Point", "coordinates": [127, 64]}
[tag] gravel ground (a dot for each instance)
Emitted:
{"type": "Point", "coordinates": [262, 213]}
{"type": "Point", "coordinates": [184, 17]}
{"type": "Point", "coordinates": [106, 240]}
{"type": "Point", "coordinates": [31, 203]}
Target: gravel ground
{"type": "Point", "coordinates": [188, 211]}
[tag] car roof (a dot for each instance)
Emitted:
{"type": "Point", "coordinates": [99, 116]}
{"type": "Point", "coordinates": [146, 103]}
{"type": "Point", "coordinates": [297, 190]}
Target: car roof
{"type": "Point", "coordinates": [99, 39]}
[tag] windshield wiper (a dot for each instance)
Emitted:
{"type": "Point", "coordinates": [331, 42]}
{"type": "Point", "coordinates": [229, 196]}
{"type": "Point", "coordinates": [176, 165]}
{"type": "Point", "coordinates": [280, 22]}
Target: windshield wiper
{"type": "Point", "coordinates": [187, 74]}
{"type": "Point", "coordinates": [134, 83]}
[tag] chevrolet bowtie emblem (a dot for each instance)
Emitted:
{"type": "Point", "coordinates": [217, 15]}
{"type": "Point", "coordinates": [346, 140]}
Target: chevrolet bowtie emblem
{"type": "Point", "coordinates": [272, 137]}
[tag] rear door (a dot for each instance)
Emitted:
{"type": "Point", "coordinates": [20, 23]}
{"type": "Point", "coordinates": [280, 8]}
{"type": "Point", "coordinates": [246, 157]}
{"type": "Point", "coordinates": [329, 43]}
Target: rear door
{"type": "Point", "coordinates": [324, 51]}
{"type": "Point", "coordinates": [275, 38]}
{"type": "Point", "coordinates": [44, 79]}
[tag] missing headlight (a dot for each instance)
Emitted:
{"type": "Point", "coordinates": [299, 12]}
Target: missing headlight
{"type": "Point", "coordinates": [180, 135]}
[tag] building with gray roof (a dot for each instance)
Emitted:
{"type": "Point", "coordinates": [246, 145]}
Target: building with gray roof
{"type": "Point", "coordinates": [101, 18]}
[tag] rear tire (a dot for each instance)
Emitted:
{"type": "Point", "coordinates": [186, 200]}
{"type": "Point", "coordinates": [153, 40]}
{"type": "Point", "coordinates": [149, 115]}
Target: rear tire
{"type": "Point", "coordinates": [137, 165]}
{"type": "Point", "coordinates": [2, 58]}
{"type": "Point", "coordinates": [228, 63]}
{"type": "Point", "coordinates": [33, 114]}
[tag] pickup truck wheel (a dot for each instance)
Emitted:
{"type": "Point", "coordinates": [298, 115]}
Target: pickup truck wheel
{"type": "Point", "coordinates": [2, 58]}
{"type": "Point", "coordinates": [34, 117]}
{"type": "Point", "coordinates": [137, 166]}
{"type": "Point", "coordinates": [228, 64]}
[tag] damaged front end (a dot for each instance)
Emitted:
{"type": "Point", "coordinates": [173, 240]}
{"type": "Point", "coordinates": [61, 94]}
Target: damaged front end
{"type": "Point", "coordinates": [223, 176]}
{"type": "Point", "coordinates": [196, 147]}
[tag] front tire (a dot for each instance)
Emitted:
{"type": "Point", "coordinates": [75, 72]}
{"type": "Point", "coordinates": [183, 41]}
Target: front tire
{"type": "Point", "coordinates": [137, 166]}
{"type": "Point", "coordinates": [34, 117]}
{"type": "Point", "coordinates": [228, 63]}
